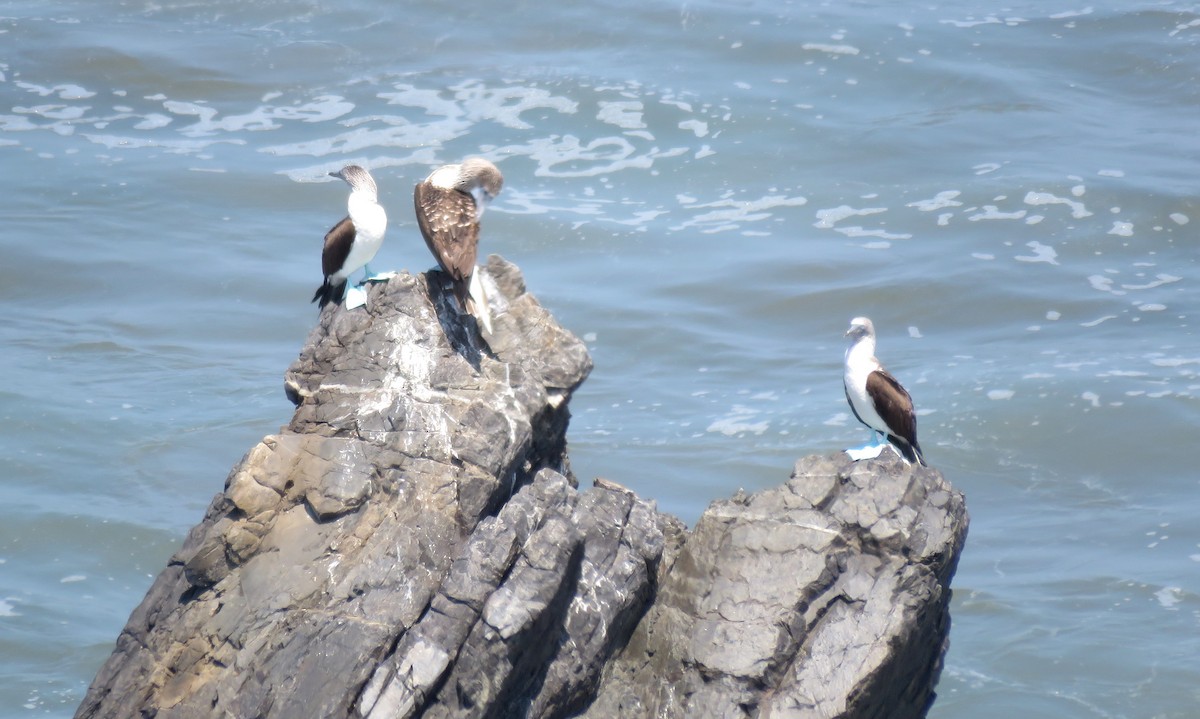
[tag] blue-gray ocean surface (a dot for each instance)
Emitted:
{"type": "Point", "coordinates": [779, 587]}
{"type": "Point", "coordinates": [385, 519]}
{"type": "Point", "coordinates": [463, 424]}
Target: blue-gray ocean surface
{"type": "Point", "coordinates": [706, 192]}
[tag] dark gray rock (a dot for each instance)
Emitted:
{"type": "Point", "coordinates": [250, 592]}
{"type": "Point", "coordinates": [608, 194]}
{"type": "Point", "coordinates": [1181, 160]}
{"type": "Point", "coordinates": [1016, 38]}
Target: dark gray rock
{"type": "Point", "coordinates": [413, 544]}
{"type": "Point", "coordinates": [826, 597]}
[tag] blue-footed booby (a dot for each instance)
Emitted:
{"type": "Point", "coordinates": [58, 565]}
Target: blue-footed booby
{"type": "Point", "coordinates": [877, 399]}
{"type": "Point", "coordinates": [353, 242]}
{"type": "Point", "coordinates": [449, 204]}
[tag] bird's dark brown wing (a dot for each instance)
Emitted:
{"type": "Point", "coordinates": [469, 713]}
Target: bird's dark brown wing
{"type": "Point", "coordinates": [338, 242]}
{"type": "Point", "coordinates": [893, 403]}
{"type": "Point", "coordinates": [447, 220]}
{"type": "Point", "coordinates": [895, 407]}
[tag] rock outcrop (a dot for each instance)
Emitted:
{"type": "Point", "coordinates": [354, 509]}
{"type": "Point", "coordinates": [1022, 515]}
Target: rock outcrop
{"type": "Point", "coordinates": [825, 597]}
{"type": "Point", "coordinates": [413, 544]}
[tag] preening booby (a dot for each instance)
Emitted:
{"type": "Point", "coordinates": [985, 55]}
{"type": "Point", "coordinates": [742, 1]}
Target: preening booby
{"type": "Point", "coordinates": [876, 398]}
{"type": "Point", "coordinates": [353, 242]}
{"type": "Point", "coordinates": [449, 204]}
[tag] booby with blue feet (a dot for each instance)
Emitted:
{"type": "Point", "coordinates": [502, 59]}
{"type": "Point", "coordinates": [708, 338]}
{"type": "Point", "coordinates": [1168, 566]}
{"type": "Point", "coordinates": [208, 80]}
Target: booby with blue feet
{"type": "Point", "coordinates": [877, 399]}
{"type": "Point", "coordinates": [353, 242]}
{"type": "Point", "coordinates": [449, 205]}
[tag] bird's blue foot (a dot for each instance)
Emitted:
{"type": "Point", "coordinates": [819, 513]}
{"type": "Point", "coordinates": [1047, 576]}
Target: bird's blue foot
{"type": "Point", "coordinates": [870, 451]}
{"type": "Point", "coordinates": [355, 297]}
{"type": "Point", "coordinates": [369, 276]}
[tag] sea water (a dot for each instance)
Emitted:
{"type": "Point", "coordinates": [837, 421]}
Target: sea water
{"type": "Point", "coordinates": [706, 193]}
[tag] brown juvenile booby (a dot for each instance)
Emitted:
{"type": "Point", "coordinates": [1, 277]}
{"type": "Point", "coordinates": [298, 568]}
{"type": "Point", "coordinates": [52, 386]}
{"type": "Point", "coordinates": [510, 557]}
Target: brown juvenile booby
{"type": "Point", "coordinates": [449, 204]}
{"type": "Point", "coordinates": [353, 242]}
{"type": "Point", "coordinates": [876, 398]}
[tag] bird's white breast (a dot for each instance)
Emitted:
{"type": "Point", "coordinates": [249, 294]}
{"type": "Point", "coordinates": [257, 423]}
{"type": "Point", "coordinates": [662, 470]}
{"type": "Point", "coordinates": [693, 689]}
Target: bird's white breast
{"type": "Point", "coordinates": [370, 223]}
{"type": "Point", "coordinates": [368, 216]}
{"type": "Point", "coordinates": [860, 363]}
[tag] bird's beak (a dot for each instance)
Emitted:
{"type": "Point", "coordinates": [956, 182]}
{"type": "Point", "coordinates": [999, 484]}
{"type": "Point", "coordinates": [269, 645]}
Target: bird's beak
{"type": "Point", "coordinates": [337, 174]}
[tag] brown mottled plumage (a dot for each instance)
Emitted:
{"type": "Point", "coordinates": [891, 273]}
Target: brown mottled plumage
{"type": "Point", "coordinates": [449, 204]}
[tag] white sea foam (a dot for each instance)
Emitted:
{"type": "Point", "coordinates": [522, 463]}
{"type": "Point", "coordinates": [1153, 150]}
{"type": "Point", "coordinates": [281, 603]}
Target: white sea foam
{"type": "Point", "coordinates": [505, 104]}
{"type": "Point", "coordinates": [698, 127]}
{"type": "Point", "coordinates": [568, 156]}
{"type": "Point", "coordinates": [1037, 199]}
{"type": "Point", "coordinates": [831, 49]}
{"type": "Point", "coordinates": [1121, 229]}
{"type": "Point", "coordinates": [153, 121]}
{"type": "Point", "coordinates": [519, 201]}
{"type": "Point", "coordinates": [678, 104]}
{"type": "Point", "coordinates": [1103, 284]}
{"type": "Point", "coordinates": [429, 100]}
{"type": "Point", "coordinates": [738, 422]}
{"type": "Point", "coordinates": [838, 420]}
{"type": "Point", "coordinates": [973, 22]}
{"type": "Point", "coordinates": [639, 219]}
{"type": "Point", "coordinates": [729, 213]}
{"type": "Point", "coordinates": [1041, 253]}
{"type": "Point", "coordinates": [857, 231]}
{"type": "Point", "coordinates": [940, 201]}
{"type": "Point", "coordinates": [62, 92]}
{"type": "Point", "coordinates": [1174, 361]}
{"type": "Point", "coordinates": [625, 114]}
{"type": "Point", "coordinates": [1161, 279]}
{"type": "Point", "coordinates": [827, 218]}
{"type": "Point", "coordinates": [1169, 597]}
{"type": "Point", "coordinates": [53, 112]}
{"type": "Point", "coordinates": [178, 147]}
{"type": "Point", "coordinates": [991, 212]}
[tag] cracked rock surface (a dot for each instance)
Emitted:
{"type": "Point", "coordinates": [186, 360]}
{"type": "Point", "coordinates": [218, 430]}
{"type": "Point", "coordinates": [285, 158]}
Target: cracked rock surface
{"type": "Point", "coordinates": [825, 597]}
{"type": "Point", "coordinates": [413, 544]}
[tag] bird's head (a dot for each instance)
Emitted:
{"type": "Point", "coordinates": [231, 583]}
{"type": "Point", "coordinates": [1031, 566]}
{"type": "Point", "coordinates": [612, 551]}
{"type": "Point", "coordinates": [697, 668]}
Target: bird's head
{"type": "Point", "coordinates": [482, 179]}
{"type": "Point", "coordinates": [860, 327]}
{"type": "Point", "coordinates": [357, 178]}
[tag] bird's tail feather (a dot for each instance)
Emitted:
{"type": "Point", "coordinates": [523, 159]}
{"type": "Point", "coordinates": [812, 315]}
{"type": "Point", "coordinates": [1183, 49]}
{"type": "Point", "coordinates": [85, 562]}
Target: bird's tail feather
{"type": "Point", "coordinates": [328, 292]}
{"type": "Point", "coordinates": [911, 451]}
{"type": "Point", "coordinates": [476, 302]}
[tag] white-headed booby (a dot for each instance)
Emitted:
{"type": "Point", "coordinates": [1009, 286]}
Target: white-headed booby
{"type": "Point", "coordinates": [449, 204]}
{"type": "Point", "coordinates": [876, 398]}
{"type": "Point", "coordinates": [353, 242]}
